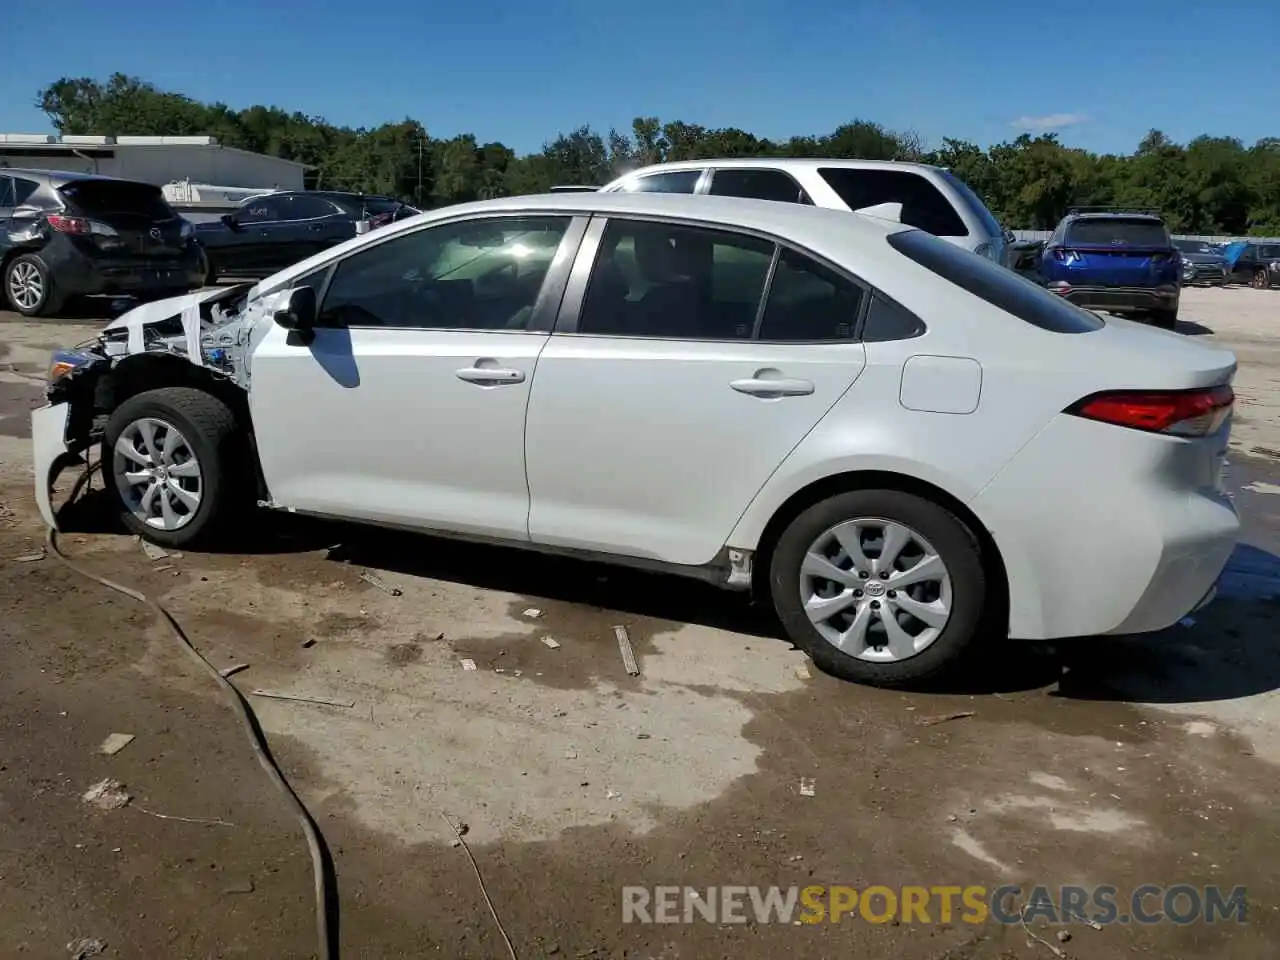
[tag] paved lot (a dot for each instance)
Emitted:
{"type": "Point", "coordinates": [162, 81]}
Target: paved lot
{"type": "Point", "coordinates": [1123, 762]}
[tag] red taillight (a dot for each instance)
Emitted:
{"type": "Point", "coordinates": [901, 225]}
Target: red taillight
{"type": "Point", "coordinates": [1059, 254]}
{"type": "Point", "coordinates": [63, 224]}
{"type": "Point", "coordinates": [1181, 413]}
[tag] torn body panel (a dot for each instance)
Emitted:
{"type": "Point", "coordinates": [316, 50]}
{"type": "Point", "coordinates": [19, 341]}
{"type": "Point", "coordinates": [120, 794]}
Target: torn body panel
{"type": "Point", "coordinates": [212, 331]}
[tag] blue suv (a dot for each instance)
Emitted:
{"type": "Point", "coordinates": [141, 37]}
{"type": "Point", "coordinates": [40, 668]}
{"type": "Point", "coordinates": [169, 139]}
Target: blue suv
{"type": "Point", "coordinates": [1115, 261]}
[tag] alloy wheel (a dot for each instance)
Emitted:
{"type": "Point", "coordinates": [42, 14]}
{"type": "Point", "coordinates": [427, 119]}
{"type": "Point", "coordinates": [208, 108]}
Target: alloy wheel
{"type": "Point", "coordinates": [26, 288]}
{"type": "Point", "coordinates": [875, 589]}
{"type": "Point", "coordinates": [157, 473]}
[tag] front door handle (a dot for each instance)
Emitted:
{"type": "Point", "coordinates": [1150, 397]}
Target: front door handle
{"type": "Point", "coordinates": [490, 376]}
{"type": "Point", "coordinates": [757, 387]}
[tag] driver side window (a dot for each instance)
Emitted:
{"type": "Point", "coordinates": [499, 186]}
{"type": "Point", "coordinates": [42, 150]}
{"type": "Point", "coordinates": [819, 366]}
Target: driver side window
{"type": "Point", "coordinates": [470, 275]}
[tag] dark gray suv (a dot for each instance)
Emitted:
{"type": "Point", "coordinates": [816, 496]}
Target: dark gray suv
{"type": "Point", "coordinates": [64, 235]}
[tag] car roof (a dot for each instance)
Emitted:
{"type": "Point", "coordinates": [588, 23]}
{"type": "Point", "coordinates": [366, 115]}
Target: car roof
{"type": "Point", "coordinates": [1114, 215]}
{"type": "Point", "coordinates": [59, 178]}
{"type": "Point", "coordinates": [829, 233]}
{"type": "Point", "coordinates": [782, 163]}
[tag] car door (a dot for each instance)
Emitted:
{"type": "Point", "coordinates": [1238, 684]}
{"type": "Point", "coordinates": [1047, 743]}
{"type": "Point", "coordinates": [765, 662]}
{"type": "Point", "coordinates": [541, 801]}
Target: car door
{"type": "Point", "coordinates": [243, 250]}
{"type": "Point", "coordinates": [674, 386]}
{"type": "Point", "coordinates": [408, 404]}
{"type": "Point", "coordinates": [317, 224]}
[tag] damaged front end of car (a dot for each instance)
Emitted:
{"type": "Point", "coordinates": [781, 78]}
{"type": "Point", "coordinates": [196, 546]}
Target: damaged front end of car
{"type": "Point", "coordinates": [200, 339]}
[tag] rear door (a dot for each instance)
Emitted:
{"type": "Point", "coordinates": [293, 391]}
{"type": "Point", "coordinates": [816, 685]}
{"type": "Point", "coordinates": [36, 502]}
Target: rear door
{"type": "Point", "coordinates": [140, 222]}
{"type": "Point", "coordinates": [1119, 252]}
{"type": "Point", "coordinates": [673, 387]}
{"type": "Point", "coordinates": [316, 224]}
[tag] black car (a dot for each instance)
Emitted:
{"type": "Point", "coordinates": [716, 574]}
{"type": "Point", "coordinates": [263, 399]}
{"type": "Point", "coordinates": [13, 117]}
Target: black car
{"type": "Point", "coordinates": [1201, 263]}
{"type": "Point", "coordinates": [1252, 262]}
{"type": "Point", "coordinates": [73, 234]}
{"type": "Point", "coordinates": [274, 230]}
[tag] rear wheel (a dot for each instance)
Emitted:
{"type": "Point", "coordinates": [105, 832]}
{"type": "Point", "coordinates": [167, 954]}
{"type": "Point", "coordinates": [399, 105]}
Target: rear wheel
{"type": "Point", "coordinates": [29, 287]}
{"type": "Point", "coordinates": [1261, 280]}
{"type": "Point", "coordinates": [172, 459]}
{"type": "Point", "coordinates": [880, 586]}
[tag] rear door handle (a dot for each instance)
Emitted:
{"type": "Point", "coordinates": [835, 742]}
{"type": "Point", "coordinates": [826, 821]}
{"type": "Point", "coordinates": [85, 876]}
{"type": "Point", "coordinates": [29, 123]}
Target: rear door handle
{"type": "Point", "coordinates": [490, 376]}
{"type": "Point", "coordinates": [773, 388]}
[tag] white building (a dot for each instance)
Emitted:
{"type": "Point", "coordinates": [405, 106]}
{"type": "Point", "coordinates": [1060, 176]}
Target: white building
{"type": "Point", "coordinates": [190, 161]}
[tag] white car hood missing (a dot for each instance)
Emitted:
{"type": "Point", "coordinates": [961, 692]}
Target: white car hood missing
{"type": "Point", "coordinates": [159, 310]}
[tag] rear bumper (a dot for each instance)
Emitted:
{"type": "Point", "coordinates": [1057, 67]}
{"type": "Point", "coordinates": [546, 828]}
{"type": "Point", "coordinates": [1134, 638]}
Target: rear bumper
{"type": "Point", "coordinates": [1121, 299]}
{"type": "Point", "coordinates": [78, 274]}
{"type": "Point", "coordinates": [1109, 531]}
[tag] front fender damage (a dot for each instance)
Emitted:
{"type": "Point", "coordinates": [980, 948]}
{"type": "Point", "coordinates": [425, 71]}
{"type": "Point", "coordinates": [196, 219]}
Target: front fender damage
{"type": "Point", "coordinates": [211, 330]}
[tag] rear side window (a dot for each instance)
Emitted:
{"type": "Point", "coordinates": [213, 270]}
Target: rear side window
{"type": "Point", "coordinates": [758, 185]}
{"type": "Point", "coordinates": [1117, 231]}
{"type": "Point", "coordinates": [998, 286]}
{"type": "Point", "coordinates": [808, 302]}
{"type": "Point", "coordinates": [102, 198]}
{"type": "Point", "coordinates": [673, 181]}
{"type": "Point", "coordinates": [23, 189]}
{"type": "Point", "coordinates": [6, 192]}
{"type": "Point", "coordinates": [923, 204]}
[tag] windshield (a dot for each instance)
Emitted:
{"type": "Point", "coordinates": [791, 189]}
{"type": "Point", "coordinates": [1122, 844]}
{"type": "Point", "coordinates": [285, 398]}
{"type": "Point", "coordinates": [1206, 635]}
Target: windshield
{"type": "Point", "coordinates": [1118, 231]}
{"type": "Point", "coordinates": [985, 216]}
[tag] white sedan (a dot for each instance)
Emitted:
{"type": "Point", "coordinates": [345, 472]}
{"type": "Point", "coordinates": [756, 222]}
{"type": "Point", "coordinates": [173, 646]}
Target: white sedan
{"type": "Point", "coordinates": [906, 447]}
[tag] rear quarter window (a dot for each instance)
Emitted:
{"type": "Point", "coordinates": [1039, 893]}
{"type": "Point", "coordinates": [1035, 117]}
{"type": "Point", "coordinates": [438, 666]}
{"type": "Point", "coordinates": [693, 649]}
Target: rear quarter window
{"type": "Point", "coordinates": [998, 286]}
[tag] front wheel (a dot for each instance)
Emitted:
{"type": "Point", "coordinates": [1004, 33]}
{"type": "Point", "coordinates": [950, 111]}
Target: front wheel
{"type": "Point", "coordinates": [171, 459]}
{"type": "Point", "coordinates": [1261, 280]}
{"type": "Point", "coordinates": [880, 586]}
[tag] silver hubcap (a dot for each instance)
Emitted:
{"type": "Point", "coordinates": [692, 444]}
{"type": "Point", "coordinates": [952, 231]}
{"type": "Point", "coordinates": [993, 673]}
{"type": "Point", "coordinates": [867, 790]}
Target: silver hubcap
{"type": "Point", "coordinates": [875, 589]}
{"type": "Point", "coordinates": [26, 289]}
{"type": "Point", "coordinates": [157, 474]}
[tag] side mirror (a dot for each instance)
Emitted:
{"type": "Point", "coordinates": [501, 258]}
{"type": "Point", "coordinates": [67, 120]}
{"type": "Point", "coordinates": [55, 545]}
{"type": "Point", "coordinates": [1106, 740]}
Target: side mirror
{"type": "Point", "coordinates": [299, 310]}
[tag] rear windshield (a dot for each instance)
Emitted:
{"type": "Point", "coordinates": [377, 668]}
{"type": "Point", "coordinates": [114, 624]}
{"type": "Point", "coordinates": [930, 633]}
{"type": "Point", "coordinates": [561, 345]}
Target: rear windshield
{"type": "Point", "coordinates": [102, 198]}
{"type": "Point", "coordinates": [978, 208]}
{"type": "Point", "coordinates": [1118, 231]}
{"type": "Point", "coordinates": [997, 285]}
{"type": "Point", "coordinates": [923, 204]}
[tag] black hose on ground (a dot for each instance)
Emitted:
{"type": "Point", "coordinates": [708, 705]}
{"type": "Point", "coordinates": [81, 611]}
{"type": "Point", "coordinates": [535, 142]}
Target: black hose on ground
{"type": "Point", "coordinates": [326, 888]}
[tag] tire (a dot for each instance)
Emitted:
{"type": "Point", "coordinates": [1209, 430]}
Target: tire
{"type": "Point", "coordinates": [207, 432]}
{"type": "Point", "coordinates": [928, 525]}
{"type": "Point", "coordinates": [1261, 279]}
{"type": "Point", "coordinates": [29, 287]}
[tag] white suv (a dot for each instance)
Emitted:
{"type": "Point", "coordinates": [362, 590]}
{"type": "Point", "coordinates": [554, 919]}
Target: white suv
{"type": "Point", "coordinates": [931, 198]}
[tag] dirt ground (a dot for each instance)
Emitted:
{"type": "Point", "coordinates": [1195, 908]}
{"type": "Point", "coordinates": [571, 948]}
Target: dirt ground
{"type": "Point", "coordinates": [1124, 762]}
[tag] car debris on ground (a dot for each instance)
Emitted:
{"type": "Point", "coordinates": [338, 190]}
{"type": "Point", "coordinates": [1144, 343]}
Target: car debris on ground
{"type": "Point", "coordinates": [943, 718]}
{"type": "Point", "coordinates": [86, 947]}
{"type": "Point", "coordinates": [808, 787]}
{"type": "Point", "coordinates": [301, 698]}
{"type": "Point", "coordinates": [533, 613]}
{"type": "Point", "coordinates": [106, 794]}
{"type": "Point", "coordinates": [381, 584]}
{"type": "Point", "coordinates": [154, 552]}
{"type": "Point", "coordinates": [115, 743]}
{"type": "Point", "coordinates": [628, 654]}
{"type": "Point", "coordinates": [468, 663]}
{"type": "Point", "coordinates": [30, 557]}
{"type": "Point", "coordinates": [551, 642]}
{"type": "Point", "coordinates": [233, 669]}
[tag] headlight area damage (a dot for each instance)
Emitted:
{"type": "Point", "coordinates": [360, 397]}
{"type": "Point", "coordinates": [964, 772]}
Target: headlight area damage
{"type": "Point", "coordinates": [200, 339]}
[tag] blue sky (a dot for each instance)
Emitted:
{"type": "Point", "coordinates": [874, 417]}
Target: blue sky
{"type": "Point", "coordinates": [1099, 73]}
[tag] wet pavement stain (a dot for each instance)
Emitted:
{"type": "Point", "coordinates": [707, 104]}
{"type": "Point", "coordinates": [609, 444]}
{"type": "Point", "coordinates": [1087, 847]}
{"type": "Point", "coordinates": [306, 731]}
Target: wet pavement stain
{"type": "Point", "coordinates": [17, 400]}
{"type": "Point", "coordinates": [341, 624]}
{"type": "Point", "coordinates": [403, 654]}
